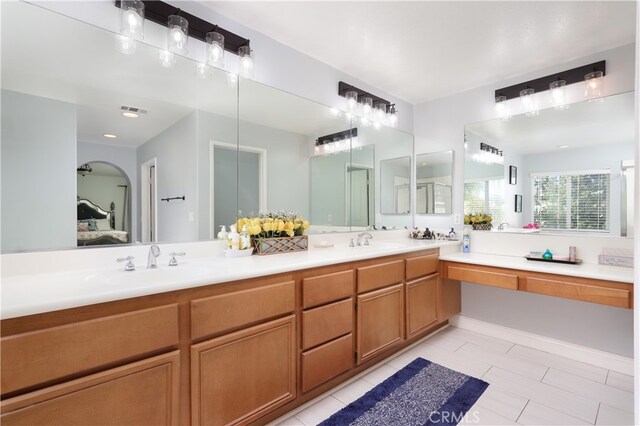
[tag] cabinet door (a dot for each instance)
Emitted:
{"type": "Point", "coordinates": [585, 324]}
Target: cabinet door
{"type": "Point", "coordinates": [241, 376]}
{"type": "Point", "coordinates": [421, 304]}
{"type": "Point", "coordinates": [140, 393]}
{"type": "Point", "coordinates": [380, 321]}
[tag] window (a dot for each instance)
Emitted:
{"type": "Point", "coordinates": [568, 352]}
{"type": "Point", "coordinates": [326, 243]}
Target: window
{"type": "Point", "coordinates": [485, 196]}
{"type": "Point", "coordinates": [574, 201]}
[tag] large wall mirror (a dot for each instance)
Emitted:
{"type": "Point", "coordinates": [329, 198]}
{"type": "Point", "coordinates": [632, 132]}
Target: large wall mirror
{"type": "Point", "coordinates": [568, 170]}
{"type": "Point", "coordinates": [434, 176]}
{"type": "Point", "coordinates": [102, 148]}
{"type": "Point", "coordinates": [95, 136]}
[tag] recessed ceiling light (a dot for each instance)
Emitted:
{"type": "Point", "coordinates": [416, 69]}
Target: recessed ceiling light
{"type": "Point", "coordinates": [562, 146]}
{"type": "Point", "coordinates": [130, 114]}
{"type": "Point", "coordinates": [109, 135]}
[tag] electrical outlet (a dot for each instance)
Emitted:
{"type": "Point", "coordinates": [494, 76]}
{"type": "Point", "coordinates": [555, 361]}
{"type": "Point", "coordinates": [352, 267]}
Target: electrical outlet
{"type": "Point", "coordinates": [457, 220]}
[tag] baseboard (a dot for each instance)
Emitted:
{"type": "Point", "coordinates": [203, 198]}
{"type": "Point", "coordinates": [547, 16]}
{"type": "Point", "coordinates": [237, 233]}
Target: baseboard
{"type": "Point", "coordinates": [592, 356]}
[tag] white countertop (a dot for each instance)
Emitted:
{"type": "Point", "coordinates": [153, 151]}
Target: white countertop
{"type": "Point", "coordinates": [584, 270]}
{"type": "Point", "coordinates": [44, 292]}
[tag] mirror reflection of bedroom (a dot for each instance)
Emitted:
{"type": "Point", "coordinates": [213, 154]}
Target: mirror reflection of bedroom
{"type": "Point", "coordinates": [103, 212]}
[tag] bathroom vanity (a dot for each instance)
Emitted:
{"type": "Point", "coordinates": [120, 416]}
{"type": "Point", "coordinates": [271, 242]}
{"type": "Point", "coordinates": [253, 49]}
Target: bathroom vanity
{"type": "Point", "coordinates": [237, 351]}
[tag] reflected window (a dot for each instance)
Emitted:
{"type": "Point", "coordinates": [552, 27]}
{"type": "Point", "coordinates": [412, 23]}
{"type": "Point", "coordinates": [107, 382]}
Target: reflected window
{"type": "Point", "coordinates": [485, 196]}
{"type": "Point", "coordinates": [577, 201]}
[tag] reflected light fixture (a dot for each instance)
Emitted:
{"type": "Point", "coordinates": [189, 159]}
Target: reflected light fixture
{"type": "Point", "coordinates": [593, 84]}
{"type": "Point", "coordinates": [336, 142]}
{"type": "Point", "coordinates": [528, 102]}
{"type": "Point", "coordinates": [167, 59]}
{"type": "Point", "coordinates": [502, 110]}
{"type": "Point", "coordinates": [362, 104]}
{"type": "Point", "coordinates": [557, 90]}
{"type": "Point", "coordinates": [203, 70]}
{"type": "Point", "coordinates": [178, 34]}
{"type": "Point", "coordinates": [215, 49]}
{"type": "Point", "coordinates": [488, 155]}
{"type": "Point", "coordinates": [125, 45]}
{"type": "Point", "coordinates": [247, 65]}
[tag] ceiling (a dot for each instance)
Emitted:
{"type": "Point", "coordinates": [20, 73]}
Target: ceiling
{"type": "Point", "coordinates": [608, 121]}
{"type": "Point", "coordinates": [423, 50]}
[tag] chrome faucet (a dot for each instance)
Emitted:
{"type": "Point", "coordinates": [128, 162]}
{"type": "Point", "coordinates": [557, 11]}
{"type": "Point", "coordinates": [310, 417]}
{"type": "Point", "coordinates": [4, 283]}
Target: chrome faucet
{"type": "Point", "coordinates": [502, 226]}
{"type": "Point", "coordinates": [129, 265]}
{"type": "Point", "coordinates": [154, 252]}
{"type": "Point", "coordinates": [367, 236]}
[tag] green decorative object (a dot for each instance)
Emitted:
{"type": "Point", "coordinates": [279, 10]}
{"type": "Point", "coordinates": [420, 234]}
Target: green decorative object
{"type": "Point", "coordinates": [547, 255]}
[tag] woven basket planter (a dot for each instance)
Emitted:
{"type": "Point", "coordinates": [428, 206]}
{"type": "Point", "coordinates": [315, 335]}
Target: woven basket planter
{"type": "Point", "coordinates": [280, 244]}
{"type": "Point", "coordinates": [482, 226]}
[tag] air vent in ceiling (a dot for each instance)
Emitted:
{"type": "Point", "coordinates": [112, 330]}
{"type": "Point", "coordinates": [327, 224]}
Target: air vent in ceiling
{"type": "Point", "coordinates": [125, 108]}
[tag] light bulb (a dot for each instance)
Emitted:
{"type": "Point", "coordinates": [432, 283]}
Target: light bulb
{"type": "Point", "coordinates": [502, 111]}
{"type": "Point", "coordinates": [528, 103]}
{"type": "Point", "coordinates": [352, 100]}
{"type": "Point", "coordinates": [557, 90]}
{"type": "Point", "coordinates": [367, 107]}
{"type": "Point", "coordinates": [593, 84]}
{"type": "Point", "coordinates": [246, 62]}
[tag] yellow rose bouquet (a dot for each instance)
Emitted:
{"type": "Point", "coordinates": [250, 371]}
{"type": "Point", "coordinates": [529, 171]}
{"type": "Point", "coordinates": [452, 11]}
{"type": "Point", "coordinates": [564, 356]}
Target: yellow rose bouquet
{"type": "Point", "coordinates": [276, 232]}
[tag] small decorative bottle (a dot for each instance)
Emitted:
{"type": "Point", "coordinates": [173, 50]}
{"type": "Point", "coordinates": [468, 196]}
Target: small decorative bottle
{"type": "Point", "coordinates": [547, 255]}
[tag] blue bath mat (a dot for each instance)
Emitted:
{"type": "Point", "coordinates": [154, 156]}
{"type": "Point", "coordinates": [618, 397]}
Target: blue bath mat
{"type": "Point", "coordinates": [422, 393]}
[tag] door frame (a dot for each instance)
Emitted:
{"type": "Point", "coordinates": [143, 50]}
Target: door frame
{"type": "Point", "coordinates": [146, 201]}
{"type": "Point", "coordinates": [347, 191]}
{"type": "Point", "coordinates": [262, 173]}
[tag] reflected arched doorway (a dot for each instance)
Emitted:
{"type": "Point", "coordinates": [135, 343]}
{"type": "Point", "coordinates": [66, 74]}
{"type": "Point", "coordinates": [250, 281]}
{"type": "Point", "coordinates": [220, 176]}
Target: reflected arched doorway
{"type": "Point", "coordinates": [104, 204]}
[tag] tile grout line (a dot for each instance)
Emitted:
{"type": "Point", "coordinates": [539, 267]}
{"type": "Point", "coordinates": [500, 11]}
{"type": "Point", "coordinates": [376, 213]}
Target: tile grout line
{"type": "Point", "coordinates": [522, 411]}
{"type": "Point", "coordinates": [606, 379]}
{"type": "Point", "coordinates": [584, 378]}
{"type": "Point", "coordinates": [545, 375]}
{"type": "Point", "coordinates": [595, 422]}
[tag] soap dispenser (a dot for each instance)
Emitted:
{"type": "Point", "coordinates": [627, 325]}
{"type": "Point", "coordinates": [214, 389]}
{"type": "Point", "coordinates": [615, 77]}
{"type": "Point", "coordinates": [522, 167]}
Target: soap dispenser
{"type": "Point", "coordinates": [233, 239]}
{"type": "Point", "coordinates": [223, 235]}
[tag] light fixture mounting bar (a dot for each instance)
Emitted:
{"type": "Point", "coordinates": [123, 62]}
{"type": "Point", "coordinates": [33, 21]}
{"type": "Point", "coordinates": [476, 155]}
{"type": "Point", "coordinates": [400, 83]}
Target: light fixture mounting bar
{"type": "Point", "coordinates": [159, 11]}
{"type": "Point", "coordinates": [345, 134]}
{"type": "Point", "coordinates": [344, 88]}
{"type": "Point", "coordinates": [541, 84]}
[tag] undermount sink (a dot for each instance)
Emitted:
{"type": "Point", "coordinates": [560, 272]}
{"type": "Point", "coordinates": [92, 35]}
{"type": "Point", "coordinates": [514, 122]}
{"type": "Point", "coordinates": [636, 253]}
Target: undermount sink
{"type": "Point", "coordinates": [143, 276]}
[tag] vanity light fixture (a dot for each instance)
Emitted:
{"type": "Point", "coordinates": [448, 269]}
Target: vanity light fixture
{"type": "Point", "coordinates": [593, 84]}
{"type": "Point", "coordinates": [367, 102]}
{"type": "Point", "coordinates": [335, 142]}
{"type": "Point", "coordinates": [488, 155]}
{"type": "Point", "coordinates": [591, 74]}
{"type": "Point", "coordinates": [182, 26]}
{"type": "Point", "coordinates": [84, 169]}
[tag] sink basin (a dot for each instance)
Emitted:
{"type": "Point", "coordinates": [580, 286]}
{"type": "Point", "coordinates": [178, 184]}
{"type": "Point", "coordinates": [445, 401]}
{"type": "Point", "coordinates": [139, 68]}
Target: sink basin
{"type": "Point", "coordinates": [375, 245]}
{"type": "Point", "coordinates": [142, 277]}
{"type": "Point", "coordinates": [516, 231]}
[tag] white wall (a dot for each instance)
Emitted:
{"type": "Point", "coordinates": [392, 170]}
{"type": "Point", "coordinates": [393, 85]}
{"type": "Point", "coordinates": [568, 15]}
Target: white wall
{"type": "Point", "coordinates": [277, 65]}
{"type": "Point", "coordinates": [439, 125]}
{"type": "Point", "coordinates": [637, 227]}
{"type": "Point", "coordinates": [175, 151]}
{"type": "Point", "coordinates": [125, 159]}
{"type": "Point", "coordinates": [38, 173]}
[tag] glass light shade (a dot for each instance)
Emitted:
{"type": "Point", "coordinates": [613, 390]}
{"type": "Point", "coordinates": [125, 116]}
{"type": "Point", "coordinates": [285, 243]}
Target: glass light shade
{"type": "Point", "coordinates": [125, 45]}
{"type": "Point", "coordinates": [132, 19]}
{"type": "Point", "coordinates": [392, 116]}
{"type": "Point", "coordinates": [557, 91]}
{"type": "Point", "coordinates": [593, 84]}
{"type": "Point", "coordinates": [167, 59]}
{"type": "Point", "coordinates": [215, 49]}
{"type": "Point", "coordinates": [528, 102]}
{"type": "Point", "coordinates": [381, 113]}
{"type": "Point", "coordinates": [352, 100]}
{"type": "Point", "coordinates": [247, 65]}
{"type": "Point", "coordinates": [367, 107]}
{"type": "Point", "coordinates": [502, 110]}
{"type": "Point", "coordinates": [178, 35]}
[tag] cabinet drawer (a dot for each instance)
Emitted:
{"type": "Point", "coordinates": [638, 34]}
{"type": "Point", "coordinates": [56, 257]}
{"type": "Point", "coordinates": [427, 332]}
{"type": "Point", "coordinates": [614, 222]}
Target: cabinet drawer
{"type": "Point", "coordinates": [478, 276]}
{"type": "Point", "coordinates": [422, 266]}
{"type": "Point", "coordinates": [326, 362]}
{"type": "Point", "coordinates": [382, 275]}
{"type": "Point", "coordinates": [322, 324]}
{"type": "Point", "coordinates": [578, 291]}
{"type": "Point", "coordinates": [37, 357]}
{"type": "Point", "coordinates": [140, 393]}
{"type": "Point", "coordinates": [326, 288]}
{"type": "Point", "coordinates": [223, 312]}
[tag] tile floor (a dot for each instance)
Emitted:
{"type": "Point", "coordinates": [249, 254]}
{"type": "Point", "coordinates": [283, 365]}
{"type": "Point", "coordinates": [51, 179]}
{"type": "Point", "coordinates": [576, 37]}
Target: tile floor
{"type": "Point", "coordinates": [527, 386]}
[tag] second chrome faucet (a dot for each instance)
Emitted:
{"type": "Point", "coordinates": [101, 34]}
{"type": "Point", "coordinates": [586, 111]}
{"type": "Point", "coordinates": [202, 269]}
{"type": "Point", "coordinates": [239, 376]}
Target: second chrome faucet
{"type": "Point", "coordinates": [154, 252]}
